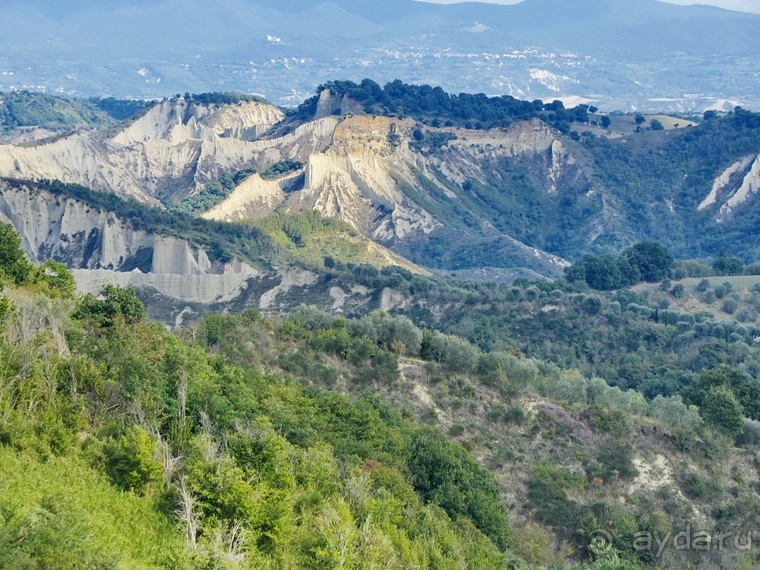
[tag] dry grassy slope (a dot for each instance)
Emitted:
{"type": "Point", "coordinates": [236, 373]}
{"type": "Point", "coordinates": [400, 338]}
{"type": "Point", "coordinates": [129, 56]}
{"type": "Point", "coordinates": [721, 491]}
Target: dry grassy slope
{"type": "Point", "coordinates": [694, 302]}
{"type": "Point", "coordinates": [562, 436]}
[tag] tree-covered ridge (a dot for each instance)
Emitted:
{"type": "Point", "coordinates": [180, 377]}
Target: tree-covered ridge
{"type": "Point", "coordinates": [658, 181]}
{"type": "Point", "coordinates": [27, 109]}
{"type": "Point", "coordinates": [222, 98]}
{"type": "Point", "coordinates": [433, 104]}
{"type": "Point", "coordinates": [625, 336]}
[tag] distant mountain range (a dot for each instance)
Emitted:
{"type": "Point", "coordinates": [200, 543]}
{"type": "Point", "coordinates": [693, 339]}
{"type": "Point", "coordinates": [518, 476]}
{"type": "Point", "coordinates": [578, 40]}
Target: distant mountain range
{"type": "Point", "coordinates": [620, 54]}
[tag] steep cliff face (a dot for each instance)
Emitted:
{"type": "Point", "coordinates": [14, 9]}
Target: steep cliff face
{"type": "Point", "coordinates": [443, 197]}
{"type": "Point", "coordinates": [175, 148]}
{"type": "Point", "coordinates": [371, 172]}
{"type": "Point", "coordinates": [377, 179]}
{"type": "Point", "coordinates": [332, 104]}
{"type": "Point", "coordinates": [102, 247]}
{"type": "Point", "coordinates": [175, 278]}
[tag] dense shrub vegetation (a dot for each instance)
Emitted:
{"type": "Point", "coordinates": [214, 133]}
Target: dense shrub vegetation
{"type": "Point", "coordinates": [354, 355]}
{"type": "Point", "coordinates": [680, 167]}
{"type": "Point", "coordinates": [211, 195]}
{"type": "Point", "coordinates": [645, 261]}
{"type": "Point", "coordinates": [281, 168]}
{"type": "Point", "coordinates": [434, 105]}
{"type": "Point", "coordinates": [26, 109]}
{"type": "Point", "coordinates": [222, 465]}
{"type": "Point", "coordinates": [229, 443]}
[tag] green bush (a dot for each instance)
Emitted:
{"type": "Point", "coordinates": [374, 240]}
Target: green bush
{"type": "Point", "coordinates": [14, 265]}
{"type": "Point", "coordinates": [697, 486]}
{"type": "Point", "coordinates": [750, 434]}
{"type": "Point", "coordinates": [608, 421]}
{"type": "Point", "coordinates": [452, 352]}
{"type": "Point", "coordinates": [721, 408]}
{"type": "Point", "coordinates": [130, 460]}
{"type": "Point", "coordinates": [281, 168]}
{"type": "Point", "coordinates": [678, 291]}
{"type": "Point", "coordinates": [444, 474]}
{"type": "Point", "coordinates": [614, 460]}
{"type": "Point", "coordinates": [117, 304]}
{"type": "Point", "coordinates": [730, 306]}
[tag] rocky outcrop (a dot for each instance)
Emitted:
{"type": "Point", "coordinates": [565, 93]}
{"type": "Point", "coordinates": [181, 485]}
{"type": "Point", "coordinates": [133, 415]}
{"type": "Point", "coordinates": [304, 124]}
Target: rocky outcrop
{"type": "Point", "coordinates": [174, 149]}
{"type": "Point", "coordinates": [733, 188]}
{"type": "Point", "coordinates": [332, 104]}
{"type": "Point", "coordinates": [750, 185]}
{"type": "Point", "coordinates": [175, 279]}
{"type": "Point", "coordinates": [245, 122]}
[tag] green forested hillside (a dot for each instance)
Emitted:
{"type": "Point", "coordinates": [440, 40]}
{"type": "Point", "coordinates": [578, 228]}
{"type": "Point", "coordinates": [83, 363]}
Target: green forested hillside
{"type": "Point", "coordinates": [27, 109]}
{"type": "Point", "coordinates": [126, 447]}
{"type": "Point", "coordinates": [570, 453]}
{"type": "Point", "coordinates": [644, 173]}
{"type": "Point", "coordinates": [644, 186]}
{"type": "Point", "coordinates": [314, 441]}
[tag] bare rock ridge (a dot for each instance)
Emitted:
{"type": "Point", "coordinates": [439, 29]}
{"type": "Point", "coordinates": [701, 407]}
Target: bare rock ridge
{"type": "Point", "coordinates": [176, 147]}
{"type": "Point", "coordinates": [362, 169]}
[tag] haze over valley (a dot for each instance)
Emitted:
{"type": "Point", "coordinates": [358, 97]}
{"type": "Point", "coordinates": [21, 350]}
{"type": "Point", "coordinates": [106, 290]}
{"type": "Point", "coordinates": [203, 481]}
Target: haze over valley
{"type": "Point", "coordinates": [626, 55]}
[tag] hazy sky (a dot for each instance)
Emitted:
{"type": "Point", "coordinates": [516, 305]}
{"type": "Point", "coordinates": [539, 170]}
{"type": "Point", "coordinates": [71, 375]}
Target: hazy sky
{"type": "Point", "coordinates": [741, 5]}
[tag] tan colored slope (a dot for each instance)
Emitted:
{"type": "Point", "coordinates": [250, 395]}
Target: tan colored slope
{"type": "Point", "coordinates": [244, 122]}
{"type": "Point", "coordinates": [253, 198]}
{"type": "Point", "coordinates": [358, 178]}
